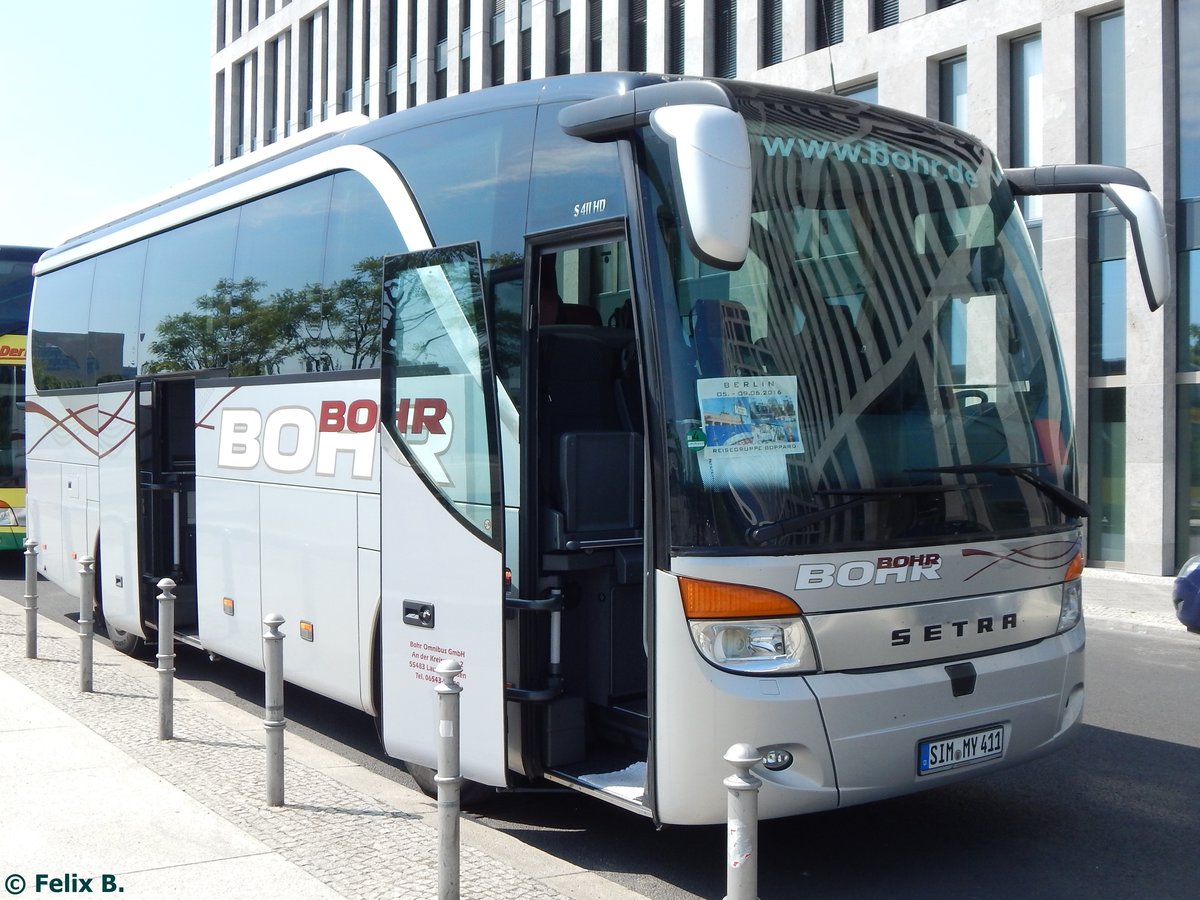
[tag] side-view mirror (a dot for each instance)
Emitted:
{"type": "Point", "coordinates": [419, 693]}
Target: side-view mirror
{"type": "Point", "coordinates": [710, 156]}
{"type": "Point", "coordinates": [1131, 194]}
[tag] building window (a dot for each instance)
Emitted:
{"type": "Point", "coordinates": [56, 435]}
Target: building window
{"type": "Point", "coordinates": [1106, 272]}
{"type": "Point", "coordinates": [952, 91]}
{"type": "Point", "coordinates": [525, 47]}
{"type": "Point", "coordinates": [725, 39]}
{"type": "Point", "coordinates": [1106, 237]}
{"type": "Point", "coordinates": [346, 76]}
{"type": "Point", "coordinates": [497, 31]}
{"type": "Point", "coordinates": [637, 36]}
{"type": "Point", "coordinates": [1187, 473]}
{"type": "Point", "coordinates": [595, 45]}
{"type": "Point", "coordinates": [391, 53]}
{"type": "Point", "coordinates": [1025, 122]}
{"type": "Point", "coordinates": [867, 93]}
{"type": "Point", "coordinates": [1106, 251]}
{"type": "Point", "coordinates": [884, 13]}
{"type": "Point", "coordinates": [1187, 230]}
{"type": "Point", "coordinates": [441, 48]}
{"type": "Point", "coordinates": [829, 22]}
{"type": "Point", "coordinates": [464, 48]}
{"type": "Point", "coordinates": [770, 23]}
{"type": "Point", "coordinates": [308, 87]}
{"type": "Point", "coordinates": [562, 37]}
{"type": "Point", "coordinates": [1106, 474]}
{"type": "Point", "coordinates": [675, 35]}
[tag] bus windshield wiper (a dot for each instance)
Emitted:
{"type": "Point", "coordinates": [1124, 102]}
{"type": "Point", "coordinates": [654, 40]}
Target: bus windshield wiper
{"type": "Point", "coordinates": [1063, 499]}
{"type": "Point", "coordinates": [769, 531]}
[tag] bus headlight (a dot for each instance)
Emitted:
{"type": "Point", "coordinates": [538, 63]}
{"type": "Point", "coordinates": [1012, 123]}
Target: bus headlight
{"type": "Point", "coordinates": [747, 629]}
{"type": "Point", "coordinates": [1072, 596]}
{"type": "Point", "coordinates": [756, 647]}
{"type": "Point", "coordinates": [1072, 605]}
{"type": "Point", "coordinates": [7, 516]}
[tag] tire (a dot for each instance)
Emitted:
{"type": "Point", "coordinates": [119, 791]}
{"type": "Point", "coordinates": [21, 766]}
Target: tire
{"type": "Point", "coordinates": [471, 794]}
{"type": "Point", "coordinates": [124, 641]}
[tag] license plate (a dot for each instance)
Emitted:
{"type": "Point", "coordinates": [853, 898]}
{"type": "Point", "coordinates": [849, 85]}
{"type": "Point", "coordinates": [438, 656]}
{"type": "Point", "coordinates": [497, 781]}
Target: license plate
{"type": "Point", "coordinates": [950, 752]}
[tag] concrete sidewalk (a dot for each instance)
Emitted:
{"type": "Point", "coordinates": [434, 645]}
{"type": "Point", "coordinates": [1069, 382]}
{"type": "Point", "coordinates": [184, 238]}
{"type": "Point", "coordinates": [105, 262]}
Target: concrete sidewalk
{"type": "Point", "coordinates": [1133, 602]}
{"type": "Point", "coordinates": [88, 791]}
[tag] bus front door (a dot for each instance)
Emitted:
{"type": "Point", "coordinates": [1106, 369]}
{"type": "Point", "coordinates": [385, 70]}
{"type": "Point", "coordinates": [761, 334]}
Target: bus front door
{"type": "Point", "coordinates": [166, 450]}
{"type": "Point", "coordinates": [442, 574]}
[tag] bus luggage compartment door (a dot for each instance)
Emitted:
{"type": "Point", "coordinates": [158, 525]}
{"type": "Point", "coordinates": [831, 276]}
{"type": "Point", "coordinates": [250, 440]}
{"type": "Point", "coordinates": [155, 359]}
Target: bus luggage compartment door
{"type": "Point", "coordinates": [442, 562]}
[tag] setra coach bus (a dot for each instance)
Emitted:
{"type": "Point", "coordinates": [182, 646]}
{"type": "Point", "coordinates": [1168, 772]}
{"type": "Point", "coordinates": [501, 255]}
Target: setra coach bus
{"type": "Point", "coordinates": [681, 412]}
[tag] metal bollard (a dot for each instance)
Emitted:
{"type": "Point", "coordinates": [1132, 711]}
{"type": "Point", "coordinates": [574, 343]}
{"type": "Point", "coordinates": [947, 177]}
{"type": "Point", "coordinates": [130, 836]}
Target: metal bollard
{"type": "Point", "coordinates": [166, 659]}
{"type": "Point", "coordinates": [741, 881]}
{"type": "Point", "coordinates": [30, 598]}
{"type": "Point", "coordinates": [274, 723]}
{"type": "Point", "coordinates": [448, 778]}
{"type": "Point", "coordinates": [87, 594]}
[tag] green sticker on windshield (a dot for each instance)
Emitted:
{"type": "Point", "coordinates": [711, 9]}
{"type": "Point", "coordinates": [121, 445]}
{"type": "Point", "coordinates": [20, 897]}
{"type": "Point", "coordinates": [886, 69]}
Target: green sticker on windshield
{"type": "Point", "coordinates": [696, 439]}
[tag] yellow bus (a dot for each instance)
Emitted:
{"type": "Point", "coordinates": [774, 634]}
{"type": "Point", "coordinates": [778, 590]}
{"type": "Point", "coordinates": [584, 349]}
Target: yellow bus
{"type": "Point", "coordinates": [16, 284]}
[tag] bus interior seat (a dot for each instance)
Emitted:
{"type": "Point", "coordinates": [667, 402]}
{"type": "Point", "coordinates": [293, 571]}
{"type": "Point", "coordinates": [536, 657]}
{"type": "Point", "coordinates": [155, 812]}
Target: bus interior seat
{"type": "Point", "coordinates": [578, 314]}
{"type": "Point", "coordinates": [594, 468]}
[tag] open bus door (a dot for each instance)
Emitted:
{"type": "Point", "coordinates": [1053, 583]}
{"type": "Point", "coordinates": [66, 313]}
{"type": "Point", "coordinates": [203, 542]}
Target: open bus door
{"type": "Point", "coordinates": [165, 416]}
{"type": "Point", "coordinates": [442, 535]}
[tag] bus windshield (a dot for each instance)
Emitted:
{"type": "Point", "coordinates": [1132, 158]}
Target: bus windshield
{"type": "Point", "coordinates": [882, 370]}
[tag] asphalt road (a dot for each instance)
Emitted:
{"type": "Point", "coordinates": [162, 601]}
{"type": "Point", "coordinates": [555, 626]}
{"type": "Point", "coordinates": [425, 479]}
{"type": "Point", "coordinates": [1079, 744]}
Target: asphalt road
{"type": "Point", "coordinates": [1115, 814]}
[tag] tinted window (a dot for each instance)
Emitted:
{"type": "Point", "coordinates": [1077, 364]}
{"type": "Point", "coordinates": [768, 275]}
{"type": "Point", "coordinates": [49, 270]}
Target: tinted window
{"type": "Point", "coordinates": [574, 181]}
{"type": "Point", "coordinates": [60, 348]}
{"type": "Point", "coordinates": [434, 375]}
{"type": "Point", "coordinates": [276, 290]}
{"type": "Point", "coordinates": [471, 179]}
{"type": "Point", "coordinates": [361, 233]}
{"type": "Point", "coordinates": [188, 295]}
{"type": "Point", "coordinates": [16, 283]}
{"type": "Point", "coordinates": [113, 338]}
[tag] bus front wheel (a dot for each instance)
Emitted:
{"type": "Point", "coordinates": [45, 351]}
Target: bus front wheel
{"type": "Point", "coordinates": [124, 641]}
{"type": "Point", "coordinates": [472, 793]}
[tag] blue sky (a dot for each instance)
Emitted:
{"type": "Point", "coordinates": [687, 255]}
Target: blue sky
{"type": "Point", "coordinates": [103, 103]}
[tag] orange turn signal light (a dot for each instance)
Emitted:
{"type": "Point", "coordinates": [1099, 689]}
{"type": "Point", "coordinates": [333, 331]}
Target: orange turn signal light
{"type": "Point", "coordinates": [718, 600]}
{"type": "Point", "coordinates": [1074, 568]}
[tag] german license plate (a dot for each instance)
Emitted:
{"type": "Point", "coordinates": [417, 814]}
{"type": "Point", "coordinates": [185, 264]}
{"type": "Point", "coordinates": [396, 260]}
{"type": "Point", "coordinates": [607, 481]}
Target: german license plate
{"type": "Point", "coordinates": [955, 750]}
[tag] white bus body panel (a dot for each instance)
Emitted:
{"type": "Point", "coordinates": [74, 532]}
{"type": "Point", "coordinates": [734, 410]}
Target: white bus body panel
{"type": "Point", "coordinates": [228, 555]}
{"type": "Point", "coordinates": [854, 735]}
{"type": "Point", "coordinates": [119, 564]}
{"type": "Point", "coordinates": [61, 437]}
{"type": "Point", "coordinates": [278, 527]}
{"type": "Point", "coordinates": [431, 558]}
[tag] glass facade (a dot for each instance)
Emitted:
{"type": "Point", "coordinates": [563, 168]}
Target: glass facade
{"type": "Point", "coordinates": [952, 91]}
{"type": "Point", "coordinates": [1106, 474]}
{"type": "Point", "coordinates": [1106, 294]}
{"type": "Point", "coordinates": [1026, 122]}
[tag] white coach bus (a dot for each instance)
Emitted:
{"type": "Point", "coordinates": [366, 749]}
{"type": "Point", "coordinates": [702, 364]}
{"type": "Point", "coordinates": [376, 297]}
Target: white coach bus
{"type": "Point", "coordinates": [681, 412]}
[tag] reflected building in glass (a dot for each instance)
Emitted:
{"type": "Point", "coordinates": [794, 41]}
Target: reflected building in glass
{"type": "Point", "coordinates": [1040, 82]}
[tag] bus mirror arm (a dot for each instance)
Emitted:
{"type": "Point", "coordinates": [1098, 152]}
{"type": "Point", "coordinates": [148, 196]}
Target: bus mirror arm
{"type": "Point", "coordinates": [1131, 195]}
